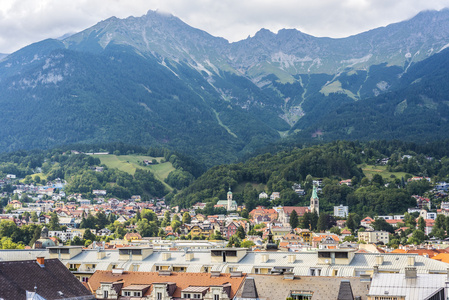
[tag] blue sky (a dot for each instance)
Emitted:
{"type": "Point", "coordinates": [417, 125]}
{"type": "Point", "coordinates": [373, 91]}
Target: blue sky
{"type": "Point", "coordinates": [23, 22]}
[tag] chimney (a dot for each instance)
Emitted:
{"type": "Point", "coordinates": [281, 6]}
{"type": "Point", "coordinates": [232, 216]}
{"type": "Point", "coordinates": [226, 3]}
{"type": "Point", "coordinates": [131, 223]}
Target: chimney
{"type": "Point", "coordinates": [265, 258]}
{"type": "Point", "coordinates": [410, 272]}
{"type": "Point", "coordinates": [411, 261]}
{"type": "Point", "coordinates": [291, 258]}
{"type": "Point", "coordinates": [376, 269]}
{"type": "Point", "coordinates": [379, 260]}
{"type": "Point", "coordinates": [41, 261]}
{"type": "Point", "coordinates": [189, 256]}
{"type": "Point", "coordinates": [218, 273]}
{"type": "Point", "coordinates": [117, 271]}
{"type": "Point", "coordinates": [101, 254]}
{"type": "Point", "coordinates": [235, 274]}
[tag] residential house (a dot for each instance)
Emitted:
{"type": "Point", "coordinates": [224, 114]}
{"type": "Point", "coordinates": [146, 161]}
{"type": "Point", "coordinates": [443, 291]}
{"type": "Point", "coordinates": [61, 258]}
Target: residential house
{"type": "Point", "coordinates": [325, 241]}
{"type": "Point", "coordinates": [261, 213]}
{"type": "Point", "coordinates": [40, 279]}
{"type": "Point", "coordinates": [284, 212]}
{"type": "Point", "coordinates": [164, 285]}
{"type": "Point", "coordinates": [374, 237]}
{"type": "Point", "coordinates": [408, 286]}
{"type": "Point", "coordinates": [366, 222]}
{"type": "Point", "coordinates": [131, 236]}
{"type": "Point", "coordinates": [341, 211]}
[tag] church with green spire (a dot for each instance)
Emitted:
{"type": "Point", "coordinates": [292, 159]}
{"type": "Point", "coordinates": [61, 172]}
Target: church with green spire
{"type": "Point", "coordinates": [229, 204]}
{"type": "Point", "coordinates": [314, 201]}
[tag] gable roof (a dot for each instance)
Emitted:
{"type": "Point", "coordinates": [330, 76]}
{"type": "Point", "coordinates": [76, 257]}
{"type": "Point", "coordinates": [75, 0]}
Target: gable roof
{"type": "Point", "coordinates": [51, 280]}
{"type": "Point", "coordinates": [300, 210]}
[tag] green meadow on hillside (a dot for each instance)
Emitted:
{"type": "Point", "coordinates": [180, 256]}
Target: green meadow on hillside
{"type": "Point", "coordinates": [129, 164]}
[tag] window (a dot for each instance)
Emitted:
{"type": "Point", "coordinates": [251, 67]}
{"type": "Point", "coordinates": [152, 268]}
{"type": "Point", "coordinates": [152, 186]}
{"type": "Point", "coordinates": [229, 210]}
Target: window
{"type": "Point", "coordinates": [93, 266]}
{"type": "Point", "coordinates": [216, 297]}
{"type": "Point", "coordinates": [196, 296]}
{"type": "Point", "coordinates": [105, 294]}
{"type": "Point", "coordinates": [324, 254]}
{"type": "Point", "coordinates": [137, 294]}
{"type": "Point", "coordinates": [256, 271]}
{"type": "Point", "coordinates": [187, 296]}
{"type": "Point", "coordinates": [158, 268]}
{"type": "Point", "coordinates": [126, 293]}
{"type": "Point", "coordinates": [85, 279]}
{"type": "Point", "coordinates": [159, 296]}
{"type": "Point", "coordinates": [341, 254]}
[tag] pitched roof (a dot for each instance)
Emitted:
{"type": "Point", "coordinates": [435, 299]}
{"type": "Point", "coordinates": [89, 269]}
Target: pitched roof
{"type": "Point", "coordinates": [444, 257]}
{"type": "Point", "coordinates": [51, 280]}
{"type": "Point", "coordinates": [345, 291]}
{"type": "Point", "coordinates": [301, 210]}
{"type": "Point", "coordinates": [182, 280]}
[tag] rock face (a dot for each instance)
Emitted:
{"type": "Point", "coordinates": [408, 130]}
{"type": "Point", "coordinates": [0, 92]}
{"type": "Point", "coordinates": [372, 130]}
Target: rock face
{"type": "Point", "coordinates": [154, 80]}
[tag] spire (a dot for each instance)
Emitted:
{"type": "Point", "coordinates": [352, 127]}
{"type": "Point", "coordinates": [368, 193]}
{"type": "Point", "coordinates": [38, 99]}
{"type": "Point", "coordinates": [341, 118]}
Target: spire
{"type": "Point", "coordinates": [314, 201]}
{"type": "Point", "coordinates": [314, 192]}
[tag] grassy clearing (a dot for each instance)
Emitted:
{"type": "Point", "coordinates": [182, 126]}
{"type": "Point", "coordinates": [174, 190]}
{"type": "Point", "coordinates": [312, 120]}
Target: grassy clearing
{"type": "Point", "coordinates": [130, 163]}
{"type": "Point", "coordinates": [41, 175]}
{"type": "Point", "coordinates": [370, 170]}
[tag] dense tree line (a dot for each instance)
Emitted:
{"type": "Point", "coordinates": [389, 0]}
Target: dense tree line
{"type": "Point", "coordinates": [330, 162]}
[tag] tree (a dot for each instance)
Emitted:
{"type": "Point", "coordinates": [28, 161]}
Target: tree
{"type": "Point", "coordinates": [88, 235]}
{"type": "Point", "coordinates": [186, 218]}
{"type": "Point", "coordinates": [417, 237]}
{"type": "Point", "coordinates": [314, 221]}
{"type": "Point", "coordinates": [247, 244]}
{"type": "Point", "coordinates": [378, 180]}
{"type": "Point", "coordinates": [381, 224]}
{"type": "Point", "coordinates": [34, 217]}
{"type": "Point", "coordinates": [234, 241]}
{"type": "Point", "coordinates": [306, 220]}
{"type": "Point", "coordinates": [54, 222]}
{"type": "Point", "coordinates": [294, 220]}
{"type": "Point", "coordinates": [353, 221]}
{"type": "Point", "coordinates": [335, 230]}
{"type": "Point", "coordinates": [349, 238]}
{"type": "Point", "coordinates": [421, 224]}
{"type": "Point", "coordinates": [321, 225]}
{"type": "Point", "coordinates": [166, 219]}
{"type": "Point", "coordinates": [76, 241]}
{"type": "Point", "coordinates": [240, 233]}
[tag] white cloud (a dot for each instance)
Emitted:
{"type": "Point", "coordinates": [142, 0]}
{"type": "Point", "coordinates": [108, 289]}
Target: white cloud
{"type": "Point", "coordinates": [25, 21]}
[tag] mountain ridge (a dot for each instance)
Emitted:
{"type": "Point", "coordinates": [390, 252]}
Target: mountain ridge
{"type": "Point", "coordinates": [154, 80]}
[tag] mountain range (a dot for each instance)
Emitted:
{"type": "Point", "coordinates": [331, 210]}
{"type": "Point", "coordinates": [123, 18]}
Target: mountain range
{"type": "Point", "coordinates": [154, 80]}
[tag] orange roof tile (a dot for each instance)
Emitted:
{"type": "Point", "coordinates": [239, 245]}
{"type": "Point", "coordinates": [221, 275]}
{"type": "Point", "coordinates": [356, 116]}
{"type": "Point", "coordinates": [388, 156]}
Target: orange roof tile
{"type": "Point", "coordinates": [182, 280]}
{"type": "Point", "coordinates": [444, 257]}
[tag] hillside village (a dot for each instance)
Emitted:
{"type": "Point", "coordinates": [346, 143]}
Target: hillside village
{"type": "Point", "coordinates": [119, 245]}
{"type": "Point", "coordinates": [92, 237]}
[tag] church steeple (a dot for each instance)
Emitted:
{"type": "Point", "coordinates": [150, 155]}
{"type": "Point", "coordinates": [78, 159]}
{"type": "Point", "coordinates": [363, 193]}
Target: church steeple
{"type": "Point", "coordinates": [229, 199]}
{"type": "Point", "coordinates": [314, 201]}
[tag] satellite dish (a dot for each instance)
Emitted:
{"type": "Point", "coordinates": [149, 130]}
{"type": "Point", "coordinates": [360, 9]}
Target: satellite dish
{"type": "Point", "coordinates": [326, 261]}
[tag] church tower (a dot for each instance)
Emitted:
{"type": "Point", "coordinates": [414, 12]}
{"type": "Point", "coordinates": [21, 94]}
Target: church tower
{"type": "Point", "coordinates": [314, 201]}
{"type": "Point", "coordinates": [229, 200]}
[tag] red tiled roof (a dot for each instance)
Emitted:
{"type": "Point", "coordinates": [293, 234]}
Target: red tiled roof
{"type": "Point", "coordinates": [182, 280]}
{"type": "Point", "coordinates": [300, 210]}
